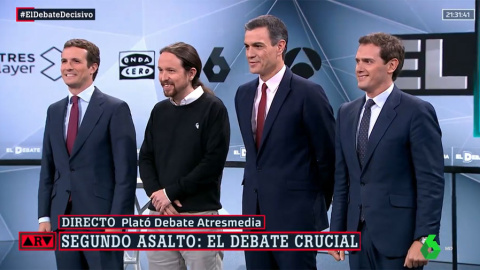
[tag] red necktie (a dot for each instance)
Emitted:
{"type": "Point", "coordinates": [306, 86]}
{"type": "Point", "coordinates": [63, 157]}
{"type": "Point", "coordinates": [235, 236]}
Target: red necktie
{"type": "Point", "coordinates": [262, 108]}
{"type": "Point", "coordinates": [72, 124]}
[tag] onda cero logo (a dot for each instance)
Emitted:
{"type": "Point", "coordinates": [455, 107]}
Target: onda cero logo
{"type": "Point", "coordinates": [305, 70]}
{"type": "Point", "coordinates": [136, 65]}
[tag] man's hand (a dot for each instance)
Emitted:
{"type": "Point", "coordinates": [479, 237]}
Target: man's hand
{"type": "Point", "coordinates": [339, 255]}
{"type": "Point", "coordinates": [170, 210]}
{"type": "Point", "coordinates": [159, 200]}
{"type": "Point", "coordinates": [45, 227]}
{"type": "Point", "coordinates": [415, 257]}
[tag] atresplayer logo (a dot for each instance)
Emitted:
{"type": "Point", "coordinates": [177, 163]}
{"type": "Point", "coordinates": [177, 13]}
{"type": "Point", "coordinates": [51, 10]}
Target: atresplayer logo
{"type": "Point", "coordinates": [430, 243]}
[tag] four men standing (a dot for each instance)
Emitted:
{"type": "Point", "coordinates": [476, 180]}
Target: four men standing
{"type": "Point", "coordinates": [387, 170]}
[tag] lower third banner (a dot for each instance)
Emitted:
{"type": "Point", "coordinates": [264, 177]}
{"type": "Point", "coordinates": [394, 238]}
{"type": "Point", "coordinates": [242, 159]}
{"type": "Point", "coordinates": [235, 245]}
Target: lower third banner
{"type": "Point", "coordinates": [209, 241]}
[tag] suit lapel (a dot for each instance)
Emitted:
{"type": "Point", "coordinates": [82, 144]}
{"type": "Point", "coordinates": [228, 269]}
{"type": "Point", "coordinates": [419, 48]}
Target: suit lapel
{"type": "Point", "coordinates": [280, 96]}
{"type": "Point", "coordinates": [247, 113]}
{"type": "Point", "coordinates": [92, 115]}
{"type": "Point", "coordinates": [58, 126]}
{"type": "Point", "coordinates": [383, 123]}
{"type": "Point", "coordinates": [352, 124]}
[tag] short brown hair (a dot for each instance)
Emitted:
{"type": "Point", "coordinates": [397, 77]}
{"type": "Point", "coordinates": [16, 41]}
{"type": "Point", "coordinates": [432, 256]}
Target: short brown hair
{"type": "Point", "coordinates": [390, 47]}
{"type": "Point", "coordinates": [93, 53]}
{"type": "Point", "coordinates": [277, 29]}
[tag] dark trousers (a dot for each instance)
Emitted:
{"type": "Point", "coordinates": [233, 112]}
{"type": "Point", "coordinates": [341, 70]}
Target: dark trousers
{"type": "Point", "coordinates": [87, 259]}
{"type": "Point", "coordinates": [291, 260]}
{"type": "Point", "coordinates": [370, 258]}
{"type": "Point", "coordinates": [281, 260]}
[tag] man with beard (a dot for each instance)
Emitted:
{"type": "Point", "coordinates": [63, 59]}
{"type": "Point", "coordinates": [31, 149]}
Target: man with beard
{"type": "Point", "coordinates": [184, 151]}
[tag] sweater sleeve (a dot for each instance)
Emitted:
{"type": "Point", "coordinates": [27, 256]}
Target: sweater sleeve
{"type": "Point", "coordinates": [146, 158]}
{"type": "Point", "coordinates": [208, 170]}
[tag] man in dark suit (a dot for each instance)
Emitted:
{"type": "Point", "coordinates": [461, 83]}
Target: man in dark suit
{"type": "Point", "coordinates": [287, 126]}
{"type": "Point", "coordinates": [389, 164]}
{"type": "Point", "coordinates": [89, 156]}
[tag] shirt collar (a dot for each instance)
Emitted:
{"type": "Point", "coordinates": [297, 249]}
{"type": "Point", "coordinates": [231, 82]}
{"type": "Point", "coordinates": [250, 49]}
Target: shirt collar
{"type": "Point", "coordinates": [381, 98]}
{"type": "Point", "coordinates": [274, 82]}
{"type": "Point", "coordinates": [85, 95]}
{"type": "Point", "coordinates": [194, 95]}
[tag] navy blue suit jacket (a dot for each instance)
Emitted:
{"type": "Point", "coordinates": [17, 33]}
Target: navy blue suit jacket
{"type": "Point", "coordinates": [101, 172]}
{"type": "Point", "coordinates": [290, 177]}
{"type": "Point", "coordinates": [401, 185]}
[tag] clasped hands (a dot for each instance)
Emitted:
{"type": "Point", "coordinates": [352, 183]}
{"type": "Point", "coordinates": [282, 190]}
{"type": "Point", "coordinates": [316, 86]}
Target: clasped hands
{"type": "Point", "coordinates": [162, 204]}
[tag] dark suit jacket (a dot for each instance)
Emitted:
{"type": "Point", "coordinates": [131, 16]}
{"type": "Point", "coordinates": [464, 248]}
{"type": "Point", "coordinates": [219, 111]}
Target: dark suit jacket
{"type": "Point", "coordinates": [101, 172]}
{"type": "Point", "coordinates": [401, 185]}
{"type": "Point", "coordinates": [291, 176]}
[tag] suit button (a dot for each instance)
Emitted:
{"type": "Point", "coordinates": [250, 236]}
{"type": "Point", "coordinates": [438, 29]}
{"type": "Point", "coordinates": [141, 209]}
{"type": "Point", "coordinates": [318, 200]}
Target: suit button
{"type": "Point", "coordinates": [72, 170]}
{"type": "Point", "coordinates": [259, 168]}
{"type": "Point", "coordinates": [255, 190]}
{"type": "Point", "coordinates": [362, 184]}
{"type": "Point", "coordinates": [359, 206]}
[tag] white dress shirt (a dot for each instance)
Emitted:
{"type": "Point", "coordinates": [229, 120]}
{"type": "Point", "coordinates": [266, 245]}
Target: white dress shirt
{"type": "Point", "coordinates": [194, 95]}
{"type": "Point", "coordinates": [83, 101]}
{"type": "Point", "coordinates": [272, 87]}
{"type": "Point", "coordinates": [376, 109]}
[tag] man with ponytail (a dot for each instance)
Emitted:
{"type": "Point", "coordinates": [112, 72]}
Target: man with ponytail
{"type": "Point", "coordinates": [184, 151]}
